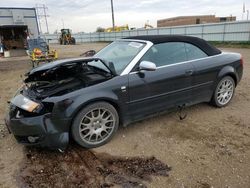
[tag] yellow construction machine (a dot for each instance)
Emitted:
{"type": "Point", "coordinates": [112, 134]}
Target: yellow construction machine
{"type": "Point", "coordinates": [117, 28]}
{"type": "Point", "coordinates": [66, 37]}
{"type": "Point", "coordinates": [148, 26]}
{"type": "Point", "coordinates": [39, 51]}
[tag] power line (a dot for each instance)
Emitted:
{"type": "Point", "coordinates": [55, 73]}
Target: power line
{"type": "Point", "coordinates": [41, 11]}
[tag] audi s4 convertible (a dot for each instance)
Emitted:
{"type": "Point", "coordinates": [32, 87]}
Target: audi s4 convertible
{"type": "Point", "coordinates": [87, 99]}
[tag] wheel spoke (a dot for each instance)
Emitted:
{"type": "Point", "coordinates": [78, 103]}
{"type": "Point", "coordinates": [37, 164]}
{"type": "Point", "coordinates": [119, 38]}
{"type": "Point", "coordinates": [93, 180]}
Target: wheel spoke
{"type": "Point", "coordinates": [219, 97]}
{"type": "Point", "coordinates": [100, 136]}
{"type": "Point", "coordinates": [96, 137]}
{"type": "Point", "coordinates": [108, 121]}
{"type": "Point", "coordinates": [224, 100]}
{"type": "Point", "coordinates": [91, 135]}
{"type": "Point", "coordinates": [107, 117]}
{"type": "Point", "coordinates": [88, 117]}
{"type": "Point", "coordinates": [98, 113]}
{"type": "Point", "coordinates": [88, 134]}
{"type": "Point", "coordinates": [92, 114]}
{"type": "Point", "coordinates": [84, 129]}
{"type": "Point", "coordinates": [86, 124]}
{"type": "Point", "coordinates": [105, 131]}
{"type": "Point", "coordinates": [103, 113]}
{"type": "Point", "coordinates": [106, 127]}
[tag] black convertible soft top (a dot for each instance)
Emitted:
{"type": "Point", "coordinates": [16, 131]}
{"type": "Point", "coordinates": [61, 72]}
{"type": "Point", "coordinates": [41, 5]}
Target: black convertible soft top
{"type": "Point", "coordinates": [202, 44]}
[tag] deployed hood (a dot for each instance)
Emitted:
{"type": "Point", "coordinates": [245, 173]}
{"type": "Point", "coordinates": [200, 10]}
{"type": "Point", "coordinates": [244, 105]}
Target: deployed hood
{"type": "Point", "coordinates": [40, 72]}
{"type": "Point", "coordinates": [64, 76]}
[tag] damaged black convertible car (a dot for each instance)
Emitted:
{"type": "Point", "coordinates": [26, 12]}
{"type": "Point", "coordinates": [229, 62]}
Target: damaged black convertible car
{"type": "Point", "coordinates": [86, 99]}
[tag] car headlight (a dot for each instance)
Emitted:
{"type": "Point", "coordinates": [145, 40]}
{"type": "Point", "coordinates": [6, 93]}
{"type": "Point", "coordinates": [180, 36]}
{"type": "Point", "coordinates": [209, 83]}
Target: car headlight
{"type": "Point", "coordinates": [25, 103]}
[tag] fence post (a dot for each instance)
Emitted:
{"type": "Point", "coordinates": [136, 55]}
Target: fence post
{"type": "Point", "coordinates": [224, 32]}
{"type": "Point", "coordinates": [202, 31]}
{"type": "Point", "coordinates": [249, 32]}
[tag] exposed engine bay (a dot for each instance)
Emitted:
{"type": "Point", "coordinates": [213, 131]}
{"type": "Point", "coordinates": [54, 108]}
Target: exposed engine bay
{"type": "Point", "coordinates": [63, 78]}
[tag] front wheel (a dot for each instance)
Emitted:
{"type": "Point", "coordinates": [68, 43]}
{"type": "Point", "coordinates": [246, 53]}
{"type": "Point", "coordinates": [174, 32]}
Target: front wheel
{"type": "Point", "coordinates": [95, 125]}
{"type": "Point", "coordinates": [224, 92]}
{"type": "Point", "coordinates": [73, 40]}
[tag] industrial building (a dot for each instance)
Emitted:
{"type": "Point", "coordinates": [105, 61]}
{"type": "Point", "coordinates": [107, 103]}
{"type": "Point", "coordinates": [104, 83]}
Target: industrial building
{"type": "Point", "coordinates": [192, 20]}
{"type": "Point", "coordinates": [16, 25]}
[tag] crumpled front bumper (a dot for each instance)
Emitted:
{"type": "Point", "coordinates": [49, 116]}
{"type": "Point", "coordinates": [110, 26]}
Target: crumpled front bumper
{"type": "Point", "coordinates": [42, 130]}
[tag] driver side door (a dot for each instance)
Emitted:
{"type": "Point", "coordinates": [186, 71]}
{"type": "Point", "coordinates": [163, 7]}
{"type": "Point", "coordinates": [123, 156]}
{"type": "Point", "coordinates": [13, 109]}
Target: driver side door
{"type": "Point", "coordinates": [167, 87]}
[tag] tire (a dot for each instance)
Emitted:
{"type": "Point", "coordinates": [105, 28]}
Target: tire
{"type": "Point", "coordinates": [95, 125]}
{"type": "Point", "coordinates": [73, 40]}
{"type": "Point", "coordinates": [224, 92]}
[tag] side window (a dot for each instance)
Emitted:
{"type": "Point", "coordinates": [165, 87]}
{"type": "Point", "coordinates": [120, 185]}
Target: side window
{"type": "Point", "coordinates": [166, 53]}
{"type": "Point", "coordinates": [194, 52]}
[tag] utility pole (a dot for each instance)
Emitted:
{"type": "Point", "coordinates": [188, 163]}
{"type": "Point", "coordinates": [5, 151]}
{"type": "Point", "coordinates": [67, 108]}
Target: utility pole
{"type": "Point", "coordinates": [247, 14]}
{"type": "Point", "coordinates": [113, 17]}
{"type": "Point", "coordinates": [39, 22]}
{"type": "Point", "coordinates": [63, 23]}
{"type": "Point", "coordinates": [45, 16]}
{"type": "Point", "coordinates": [41, 10]}
{"type": "Point", "coordinates": [243, 11]}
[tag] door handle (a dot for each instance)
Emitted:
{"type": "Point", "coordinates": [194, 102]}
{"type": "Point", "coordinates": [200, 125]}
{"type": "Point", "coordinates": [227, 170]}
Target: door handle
{"type": "Point", "coordinates": [189, 72]}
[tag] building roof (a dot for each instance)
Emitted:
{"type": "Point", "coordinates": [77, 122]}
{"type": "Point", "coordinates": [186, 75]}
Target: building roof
{"type": "Point", "coordinates": [19, 8]}
{"type": "Point", "coordinates": [192, 16]}
{"type": "Point", "coordinates": [202, 44]}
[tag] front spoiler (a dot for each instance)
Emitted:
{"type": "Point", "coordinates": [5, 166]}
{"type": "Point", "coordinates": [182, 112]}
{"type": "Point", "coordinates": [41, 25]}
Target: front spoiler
{"type": "Point", "coordinates": [49, 133]}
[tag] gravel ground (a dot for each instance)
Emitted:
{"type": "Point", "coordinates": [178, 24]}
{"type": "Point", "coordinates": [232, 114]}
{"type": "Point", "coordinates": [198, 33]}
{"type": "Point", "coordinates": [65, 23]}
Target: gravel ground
{"type": "Point", "coordinates": [210, 148]}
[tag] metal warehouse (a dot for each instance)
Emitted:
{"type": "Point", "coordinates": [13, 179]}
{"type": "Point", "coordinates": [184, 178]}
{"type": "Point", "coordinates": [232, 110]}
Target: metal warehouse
{"type": "Point", "coordinates": [16, 26]}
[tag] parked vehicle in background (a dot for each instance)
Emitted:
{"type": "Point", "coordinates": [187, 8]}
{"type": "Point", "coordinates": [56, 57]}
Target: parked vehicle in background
{"type": "Point", "coordinates": [66, 37]}
{"type": "Point", "coordinates": [128, 80]}
{"type": "Point", "coordinates": [39, 51]}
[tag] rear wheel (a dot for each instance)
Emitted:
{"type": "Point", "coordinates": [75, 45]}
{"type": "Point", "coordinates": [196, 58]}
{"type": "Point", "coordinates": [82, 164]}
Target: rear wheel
{"type": "Point", "coordinates": [73, 40]}
{"type": "Point", "coordinates": [95, 125]}
{"type": "Point", "coordinates": [224, 92]}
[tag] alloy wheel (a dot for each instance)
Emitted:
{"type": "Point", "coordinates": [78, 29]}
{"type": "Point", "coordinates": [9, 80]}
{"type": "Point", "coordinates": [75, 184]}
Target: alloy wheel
{"type": "Point", "coordinates": [225, 91]}
{"type": "Point", "coordinates": [97, 125]}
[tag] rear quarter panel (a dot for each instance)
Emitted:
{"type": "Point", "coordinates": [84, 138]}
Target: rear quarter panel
{"type": "Point", "coordinates": [208, 71]}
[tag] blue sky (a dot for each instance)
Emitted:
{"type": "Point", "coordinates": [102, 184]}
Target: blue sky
{"type": "Point", "coordinates": [87, 15]}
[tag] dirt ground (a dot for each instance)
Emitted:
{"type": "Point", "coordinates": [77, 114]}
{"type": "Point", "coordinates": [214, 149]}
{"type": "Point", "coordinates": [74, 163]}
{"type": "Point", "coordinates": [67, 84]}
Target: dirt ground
{"type": "Point", "coordinates": [210, 148]}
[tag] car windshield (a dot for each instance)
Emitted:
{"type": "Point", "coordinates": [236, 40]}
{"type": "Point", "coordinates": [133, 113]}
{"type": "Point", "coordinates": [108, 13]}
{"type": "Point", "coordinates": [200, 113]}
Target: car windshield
{"type": "Point", "coordinates": [118, 55]}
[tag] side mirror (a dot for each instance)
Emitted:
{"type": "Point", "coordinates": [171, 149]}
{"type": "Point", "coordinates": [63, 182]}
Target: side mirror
{"type": "Point", "coordinates": [147, 66]}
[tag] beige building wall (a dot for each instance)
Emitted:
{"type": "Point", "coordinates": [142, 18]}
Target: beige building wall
{"type": "Point", "coordinates": [192, 20]}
